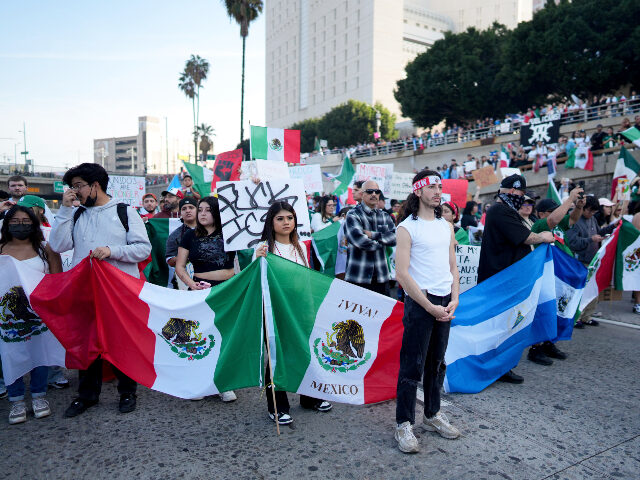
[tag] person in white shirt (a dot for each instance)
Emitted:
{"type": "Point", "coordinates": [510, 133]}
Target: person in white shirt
{"type": "Point", "coordinates": [427, 270]}
{"type": "Point", "coordinates": [326, 216]}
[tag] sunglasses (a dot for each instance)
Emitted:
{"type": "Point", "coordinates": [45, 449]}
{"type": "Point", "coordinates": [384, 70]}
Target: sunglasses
{"type": "Point", "coordinates": [371, 191]}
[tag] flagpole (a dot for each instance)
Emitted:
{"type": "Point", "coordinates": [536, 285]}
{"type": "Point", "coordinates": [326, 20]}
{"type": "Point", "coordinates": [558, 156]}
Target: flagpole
{"type": "Point", "coordinates": [273, 386]}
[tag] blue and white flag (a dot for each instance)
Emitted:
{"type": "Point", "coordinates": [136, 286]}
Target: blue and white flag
{"type": "Point", "coordinates": [571, 277]}
{"type": "Point", "coordinates": [498, 319]}
{"type": "Point", "coordinates": [175, 183]}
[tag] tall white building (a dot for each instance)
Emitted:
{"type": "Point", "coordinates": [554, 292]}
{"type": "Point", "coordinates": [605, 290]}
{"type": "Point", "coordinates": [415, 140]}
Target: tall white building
{"type": "Point", "coordinates": [320, 53]}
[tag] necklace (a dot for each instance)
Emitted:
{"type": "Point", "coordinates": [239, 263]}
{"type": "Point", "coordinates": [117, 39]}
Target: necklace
{"type": "Point", "coordinates": [295, 254]}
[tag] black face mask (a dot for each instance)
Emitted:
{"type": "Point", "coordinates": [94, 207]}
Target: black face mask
{"type": "Point", "coordinates": [90, 202]}
{"type": "Point", "coordinates": [20, 231]}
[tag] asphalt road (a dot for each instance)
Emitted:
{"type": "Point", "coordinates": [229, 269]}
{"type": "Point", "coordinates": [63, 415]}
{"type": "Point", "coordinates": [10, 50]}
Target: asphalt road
{"type": "Point", "coordinates": [577, 419]}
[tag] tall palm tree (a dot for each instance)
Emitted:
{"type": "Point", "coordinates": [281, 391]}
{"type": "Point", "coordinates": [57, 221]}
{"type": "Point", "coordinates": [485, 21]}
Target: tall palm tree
{"type": "Point", "coordinates": [243, 12]}
{"type": "Point", "coordinates": [194, 73]}
{"type": "Point", "coordinates": [205, 131]}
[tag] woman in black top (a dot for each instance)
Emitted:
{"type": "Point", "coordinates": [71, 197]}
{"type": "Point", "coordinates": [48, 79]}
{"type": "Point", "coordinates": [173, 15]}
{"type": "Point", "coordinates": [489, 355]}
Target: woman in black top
{"type": "Point", "coordinates": [469, 218]}
{"type": "Point", "coordinates": [204, 248]}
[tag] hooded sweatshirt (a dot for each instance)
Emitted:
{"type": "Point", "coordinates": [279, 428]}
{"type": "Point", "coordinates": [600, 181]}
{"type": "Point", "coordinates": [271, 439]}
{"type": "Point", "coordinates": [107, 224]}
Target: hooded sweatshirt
{"type": "Point", "coordinates": [101, 227]}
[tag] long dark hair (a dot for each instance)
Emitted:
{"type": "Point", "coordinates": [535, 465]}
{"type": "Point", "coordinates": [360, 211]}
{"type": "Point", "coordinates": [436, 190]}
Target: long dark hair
{"type": "Point", "coordinates": [323, 205]}
{"type": "Point", "coordinates": [468, 208]}
{"type": "Point", "coordinates": [215, 212]}
{"type": "Point", "coordinates": [35, 237]}
{"type": "Point", "coordinates": [269, 234]}
{"type": "Point", "coordinates": [412, 203]}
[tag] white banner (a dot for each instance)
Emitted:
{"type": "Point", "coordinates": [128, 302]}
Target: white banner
{"type": "Point", "coordinates": [125, 189]}
{"type": "Point", "coordinates": [310, 175]}
{"type": "Point", "coordinates": [468, 258]}
{"type": "Point", "coordinates": [380, 173]}
{"type": "Point", "coordinates": [272, 169]}
{"type": "Point", "coordinates": [244, 205]}
{"type": "Point", "coordinates": [401, 185]}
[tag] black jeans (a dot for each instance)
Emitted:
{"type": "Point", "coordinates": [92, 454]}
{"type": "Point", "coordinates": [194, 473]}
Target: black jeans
{"type": "Point", "coordinates": [282, 401]}
{"type": "Point", "coordinates": [91, 381]}
{"type": "Point", "coordinates": [424, 343]}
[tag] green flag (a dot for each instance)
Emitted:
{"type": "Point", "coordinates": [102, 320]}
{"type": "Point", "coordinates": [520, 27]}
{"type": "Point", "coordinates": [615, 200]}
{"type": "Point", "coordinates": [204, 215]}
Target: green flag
{"type": "Point", "coordinates": [344, 177]}
{"type": "Point", "coordinates": [325, 244]}
{"type": "Point", "coordinates": [202, 178]}
{"type": "Point", "coordinates": [158, 230]}
{"type": "Point", "coordinates": [553, 194]}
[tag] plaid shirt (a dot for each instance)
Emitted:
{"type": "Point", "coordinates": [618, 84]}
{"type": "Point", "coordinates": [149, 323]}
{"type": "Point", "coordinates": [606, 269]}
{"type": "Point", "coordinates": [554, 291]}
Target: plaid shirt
{"type": "Point", "coordinates": [367, 255]}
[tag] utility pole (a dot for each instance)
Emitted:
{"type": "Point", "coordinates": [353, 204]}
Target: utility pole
{"type": "Point", "coordinates": [132, 152]}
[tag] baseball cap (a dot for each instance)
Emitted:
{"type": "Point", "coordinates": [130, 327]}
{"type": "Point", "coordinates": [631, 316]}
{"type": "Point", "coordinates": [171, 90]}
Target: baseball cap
{"type": "Point", "coordinates": [31, 201]}
{"type": "Point", "coordinates": [187, 201]}
{"type": "Point", "coordinates": [547, 205]}
{"type": "Point", "coordinates": [174, 191]}
{"type": "Point", "coordinates": [150, 195]}
{"type": "Point", "coordinates": [514, 181]}
{"type": "Point", "coordinates": [605, 202]}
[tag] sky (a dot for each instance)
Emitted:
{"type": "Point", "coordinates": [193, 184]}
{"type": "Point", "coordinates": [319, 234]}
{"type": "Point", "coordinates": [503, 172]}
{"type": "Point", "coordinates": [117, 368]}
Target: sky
{"type": "Point", "coordinates": [77, 70]}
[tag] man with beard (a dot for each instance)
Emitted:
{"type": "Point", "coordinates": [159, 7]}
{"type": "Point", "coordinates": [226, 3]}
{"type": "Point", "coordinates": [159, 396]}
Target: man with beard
{"type": "Point", "coordinates": [149, 206]}
{"type": "Point", "coordinates": [105, 230]}
{"type": "Point", "coordinates": [170, 209]}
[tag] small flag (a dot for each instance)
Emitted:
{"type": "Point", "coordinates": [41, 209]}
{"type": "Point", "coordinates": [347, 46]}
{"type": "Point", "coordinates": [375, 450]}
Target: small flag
{"type": "Point", "coordinates": [275, 144]}
{"type": "Point", "coordinates": [628, 258]}
{"type": "Point", "coordinates": [633, 135]}
{"type": "Point", "coordinates": [158, 231]}
{"type": "Point", "coordinates": [227, 166]}
{"type": "Point", "coordinates": [202, 178]}
{"type": "Point", "coordinates": [317, 147]}
{"type": "Point", "coordinates": [626, 167]}
{"type": "Point", "coordinates": [345, 177]}
{"type": "Point", "coordinates": [175, 183]}
{"type": "Point", "coordinates": [504, 157]}
{"type": "Point", "coordinates": [580, 157]}
{"type": "Point", "coordinates": [552, 193]}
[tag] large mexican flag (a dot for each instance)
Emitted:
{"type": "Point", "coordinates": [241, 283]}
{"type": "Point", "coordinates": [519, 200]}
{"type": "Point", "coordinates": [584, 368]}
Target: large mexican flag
{"type": "Point", "coordinates": [628, 258]}
{"type": "Point", "coordinates": [158, 230]}
{"type": "Point", "coordinates": [201, 176]}
{"type": "Point", "coordinates": [184, 343]}
{"type": "Point", "coordinates": [600, 270]}
{"type": "Point", "coordinates": [275, 144]}
{"type": "Point", "coordinates": [337, 341]}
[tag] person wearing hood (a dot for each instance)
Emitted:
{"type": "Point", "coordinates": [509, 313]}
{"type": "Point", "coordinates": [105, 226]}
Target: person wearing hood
{"type": "Point", "coordinates": [103, 230]}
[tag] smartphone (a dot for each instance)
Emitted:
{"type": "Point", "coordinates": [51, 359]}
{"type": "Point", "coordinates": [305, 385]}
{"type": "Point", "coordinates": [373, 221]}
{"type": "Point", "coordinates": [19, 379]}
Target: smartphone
{"type": "Point", "coordinates": [581, 185]}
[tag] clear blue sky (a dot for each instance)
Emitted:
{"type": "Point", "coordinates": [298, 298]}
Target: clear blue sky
{"type": "Point", "coordinates": [78, 70]}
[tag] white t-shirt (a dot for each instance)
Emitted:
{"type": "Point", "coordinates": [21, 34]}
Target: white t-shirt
{"type": "Point", "coordinates": [429, 260]}
{"type": "Point", "coordinates": [291, 253]}
{"type": "Point", "coordinates": [316, 222]}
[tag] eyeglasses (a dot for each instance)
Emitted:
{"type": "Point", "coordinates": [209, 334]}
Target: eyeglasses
{"type": "Point", "coordinates": [24, 221]}
{"type": "Point", "coordinates": [371, 191]}
{"type": "Point", "coordinates": [78, 186]}
{"type": "Point", "coordinates": [527, 204]}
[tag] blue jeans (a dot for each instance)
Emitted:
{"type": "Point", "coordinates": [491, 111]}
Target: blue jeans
{"type": "Point", "coordinates": [38, 385]}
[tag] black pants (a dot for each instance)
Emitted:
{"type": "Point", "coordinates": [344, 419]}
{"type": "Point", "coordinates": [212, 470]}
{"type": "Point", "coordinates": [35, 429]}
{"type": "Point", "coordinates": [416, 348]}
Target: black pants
{"type": "Point", "coordinates": [91, 381]}
{"type": "Point", "coordinates": [382, 288]}
{"type": "Point", "coordinates": [424, 343]}
{"type": "Point", "coordinates": [282, 401]}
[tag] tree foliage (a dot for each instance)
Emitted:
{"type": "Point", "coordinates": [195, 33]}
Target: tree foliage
{"type": "Point", "coordinates": [582, 47]}
{"type": "Point", "coordinates": [308, 133]}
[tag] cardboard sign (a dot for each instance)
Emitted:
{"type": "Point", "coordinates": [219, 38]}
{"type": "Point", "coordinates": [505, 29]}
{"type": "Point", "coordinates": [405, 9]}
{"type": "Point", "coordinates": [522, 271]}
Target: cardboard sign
{"type": "Point", "coordinates": [227, 166]}
{"type": "Point", "coordinates": [244, 205]}
{"type": "Point", "coordinates": [457, 191]}
{"type": "Point", "coordinates": [508, 171]}
{"type": "Point", "coordinates": [271, 169]}
{"type": "Point", "coordinates": [379, 173]}
{"type": "Point", "coordinates": [484, 176]}
{"type": "Point", "coordinates": [468, 259]}
{"type": "Point", "coordinates": [470, 166]}
{"type": "Point", "coordinates": [401, 185]}
{"type": "Point", "coordinates": [125, 189]}
{"type": "Point", "coordinates": [310, 175]}
{"type": "Point", "coordinates": [624, 192]}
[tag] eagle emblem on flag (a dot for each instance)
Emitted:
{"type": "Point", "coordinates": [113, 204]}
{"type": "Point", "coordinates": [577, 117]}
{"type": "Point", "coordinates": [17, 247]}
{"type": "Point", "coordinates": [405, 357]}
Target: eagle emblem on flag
{"type": "Point", "coordinates": [276, 144]}
{"type": "Point", "coordinates": [18, 321]}
{"type": "Point", "coordinates": [343, 349]}
{"type": "Point", "coordinates": [182, 336]}
{"type": "Point", "coordinates": [632, 261]}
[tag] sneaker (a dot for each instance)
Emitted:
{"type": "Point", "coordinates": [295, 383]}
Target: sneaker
{"type": "Point", "coordinates": [322, 406]}
{"type": "Point", "coordinates": [127, 403]}
{"type": "Point", "coordinates": [579, 324]}
{"type": "Point", "coordinates": [536, 355]}
{"type": "Point", "coordinates": [591, 322]}
{"type": "Point", "coordinates": [78, 406]}
{"type": "Point", "coordinates": [18, 412]}
{"type": "Point", "coordinates": [283, 418]}
{"type": "Point", "coordinates": [407, 441]}
{"type": "Point", "coordinates": [636, 308]}
{"type": "Point", "coordinates": [59, 384]}
{"type": "Point", "coordinates": [3, 391]}
{"type": "Point", "coordinates": [229, 396]}
{"type": "Point", "coordinates": [440, 423]}
{"type": "Point", "coordinates": [40, 407]}
{"type": "Point", "coordinates": [550, 350]}
{"type": "Point", "coordinates": [511, 377]}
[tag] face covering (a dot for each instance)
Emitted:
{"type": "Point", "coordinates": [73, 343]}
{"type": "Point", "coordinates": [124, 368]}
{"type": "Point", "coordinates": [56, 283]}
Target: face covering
{"type": "Point", "coordinates": [90, 202]}
{"type": "Point", "coordinates": [514, 201]}
{"type": "Point", "coordinates": [20, 231]}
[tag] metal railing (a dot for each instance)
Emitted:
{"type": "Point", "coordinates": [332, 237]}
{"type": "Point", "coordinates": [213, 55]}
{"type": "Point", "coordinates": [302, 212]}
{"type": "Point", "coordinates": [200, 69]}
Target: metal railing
{"type": "Point", "coordinates": [580, 115]}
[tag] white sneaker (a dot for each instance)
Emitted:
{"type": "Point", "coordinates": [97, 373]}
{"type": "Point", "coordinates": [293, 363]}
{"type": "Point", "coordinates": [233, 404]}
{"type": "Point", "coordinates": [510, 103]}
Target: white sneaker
{"type": "Point", "coordinates": [440, 423]}
{"type": "Point", "coordinates": [18, 412]}
{"type": "Point", "coordinates": [228, 396]}
{"type": "Point", "coordinates": [283, 418]}
{"type": "Point", "coordinates": [407, 441]}
{"type": "Point", "coordinates": [196, 399]}
{"type": "Point", "coordinates": [40, 407]}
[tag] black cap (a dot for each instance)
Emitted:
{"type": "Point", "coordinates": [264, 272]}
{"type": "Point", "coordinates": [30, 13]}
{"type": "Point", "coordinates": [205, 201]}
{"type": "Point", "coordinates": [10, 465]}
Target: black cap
{"type": "Point", "coordinates": [547, 205]}
{"type": "Point", "coordinates": [531, 195]}
{"type": "Point", "coordinates": [514, 181]}
{"type": "Point", "coordinates": [188, 201]}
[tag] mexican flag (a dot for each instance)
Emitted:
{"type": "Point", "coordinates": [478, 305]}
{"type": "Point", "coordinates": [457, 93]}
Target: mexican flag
{"type": "Point", "coordinates": [325, 246]}
{"type": "Point", "coordinates": [600, 270]}
{"type": "Point", "coordinates": [553, 194]}
{"type": "Point", "coordinates": [580, 157]}
{"type": "Point", "coordinates": [633, 135]}
{"type": "Point", "coordinates": [345, 177]}
{"type": "Point", "coordinates": [626, 167]}
{"type": "Point", "coordinates": [317, 147]}
{"type": "Point", "coordinates": [202, 178]}
{"type": "Point", "coordinates": [628, 258]}
{"type": "Point", "coordinates": [184, 343]}
{"type": "Point", "coordinates": [462, 237]}
{"type": "Point", "coordinates": [158, 230]}
{"type": "Point", "coordinates": [504, 157]}
{"type": "Point", "coordinates": [275, 144]}
{"type": "Point", "coordinates": [340, 343]}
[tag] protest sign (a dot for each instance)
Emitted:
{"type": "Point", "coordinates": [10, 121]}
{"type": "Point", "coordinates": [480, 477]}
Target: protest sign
{"type": "Point", "coordinates": [125, 189]}
{"type": "Point", "coordinates": [401, 185]}
{"type": "Point", "coordinates": [485, 176]}
{"type": "Point", "coordinates": [508, 171]}
{"type": "Point", "coordinates": [470, 166]}
{"type": "Point", "coordinates": [244, 205]}
{"type": "Point", "coordinates": [457, 191]}
{"type": "Point", "coordinates": [272, 169]}
{"type": "Point", "coordinates": [310, 175]}
{"type": "Point", "coordinates": [468, 259]}
{"type": "Point", "coordinates": [227, 166]}
{"type": "Point", "coordinates": [624, 192]}
{"type": "Point", "coordinates": [248, 170]}
{"type": "Point", "coordinates": [379, 173]}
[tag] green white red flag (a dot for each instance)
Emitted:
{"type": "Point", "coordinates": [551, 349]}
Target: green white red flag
{"type": "Point", "coordinates": [580, 157]}
{"type": "Point", "coordinates": [633, 135]}
{"type": "Point", "coordinates": [626, 167]}
{"type": "Point", "coordinates": [201, 176]}
{"type": "Point", "coordinates": [158, 230]}
{"type": "Point", "coordinates": [628, 258]}
{"type": "Point", "coordinates": [275, 144]}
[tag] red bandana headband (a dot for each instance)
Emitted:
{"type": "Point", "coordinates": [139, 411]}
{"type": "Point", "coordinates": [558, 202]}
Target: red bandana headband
{"type": "Point", "coordinates": [423, 182]}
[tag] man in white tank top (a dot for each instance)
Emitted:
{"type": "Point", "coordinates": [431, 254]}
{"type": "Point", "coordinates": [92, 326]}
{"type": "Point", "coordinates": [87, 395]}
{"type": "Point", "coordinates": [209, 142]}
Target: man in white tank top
{"type": "Point", "coordinates": [426, 268]}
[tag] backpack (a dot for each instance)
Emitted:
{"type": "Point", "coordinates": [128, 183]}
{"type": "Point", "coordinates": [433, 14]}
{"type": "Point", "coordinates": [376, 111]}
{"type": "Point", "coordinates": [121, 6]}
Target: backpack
{"type": "Point", "coordinates": [122, 215]}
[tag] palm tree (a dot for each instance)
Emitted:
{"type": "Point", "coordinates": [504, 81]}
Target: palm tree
{"type": "Point", "coordinates": [205, 131]}
{"type": "Point", "coordinates": [244, 12]}
{"type": "Point", "coordinates": [194, 73]}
